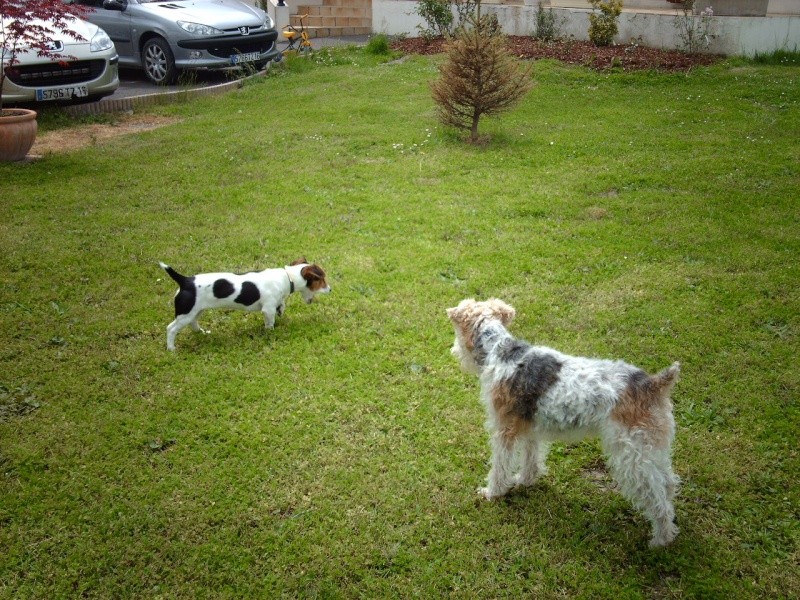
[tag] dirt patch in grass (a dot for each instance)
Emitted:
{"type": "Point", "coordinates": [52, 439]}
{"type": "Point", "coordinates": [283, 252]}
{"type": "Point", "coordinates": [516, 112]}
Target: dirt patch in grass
{"type": "Point", "coordinates": [81, 136]}
{"type": "Point", "coordinates": [628, 57]}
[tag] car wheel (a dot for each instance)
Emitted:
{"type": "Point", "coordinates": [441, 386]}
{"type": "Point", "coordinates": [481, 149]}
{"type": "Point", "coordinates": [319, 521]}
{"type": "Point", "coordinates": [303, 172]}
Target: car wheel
{"type": "Point", "coordinates": [158, 62]}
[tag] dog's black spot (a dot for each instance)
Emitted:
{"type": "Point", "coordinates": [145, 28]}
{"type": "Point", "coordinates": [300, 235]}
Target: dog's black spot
{"type": "Point", "coordinates": [222, 288]}
{"type": "Point", "coordinates": [483, 342]}
{"type": "Point", "coordinates": [512, 350]}
{"type": "Point", "coordinates": [642, 386]}
{"type": "Point", "coordinates": [638, 379]}
{"type": "Point", "coordinates": [186, 297]}
{"type": "Point", "coordinates": [535, 373]}
{"type": "Point", "coordinates": [249, 294]}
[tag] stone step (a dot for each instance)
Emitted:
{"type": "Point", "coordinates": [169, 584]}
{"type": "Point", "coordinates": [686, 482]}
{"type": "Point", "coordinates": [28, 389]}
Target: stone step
{"type": "Point", "coordinates": [330, 11]}
{"type": "Point", "coordinates": [629, 5]}
{"type": "Point", "coordinates": [315, 21]}
{"type": "Point", "coordinates": [334, 18]}
{"type": "Point", "coordinates": [362, 4]}
{"type": "Point", "coordinates": [321, 32]}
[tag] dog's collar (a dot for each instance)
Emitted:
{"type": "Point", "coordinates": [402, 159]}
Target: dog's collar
{"type": "Point", "coordinates": [291, 283]}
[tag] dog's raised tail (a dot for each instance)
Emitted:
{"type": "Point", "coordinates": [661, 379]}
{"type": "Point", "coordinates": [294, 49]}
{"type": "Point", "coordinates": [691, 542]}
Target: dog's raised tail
{"type": "Point", "coordinates": [665, 380]}
{"type": "Point", "coordinates": [179, 279]}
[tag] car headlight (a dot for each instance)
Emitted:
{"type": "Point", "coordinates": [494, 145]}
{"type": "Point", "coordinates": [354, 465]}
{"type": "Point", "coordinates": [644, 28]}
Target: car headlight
{"type": "Point", "coordinates": [268, 22]}
{"type": "Point", "coordinates": [100, 41]}
{"type": "Point", "coordinates": [198, 29]}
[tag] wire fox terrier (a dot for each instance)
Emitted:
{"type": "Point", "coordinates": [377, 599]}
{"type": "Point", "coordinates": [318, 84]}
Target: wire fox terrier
{"type": "Point", "coordinates": [264, 291]}
{"type": "Point", "coordinates": [535, 395]}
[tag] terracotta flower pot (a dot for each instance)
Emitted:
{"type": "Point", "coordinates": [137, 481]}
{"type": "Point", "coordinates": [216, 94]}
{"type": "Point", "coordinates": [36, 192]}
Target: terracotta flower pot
{"type": "Point", "coordinates": [17, 133]}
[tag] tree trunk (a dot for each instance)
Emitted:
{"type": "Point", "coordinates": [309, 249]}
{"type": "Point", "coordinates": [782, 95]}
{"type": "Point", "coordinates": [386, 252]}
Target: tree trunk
{"type": "Point", "coordinates": [474, 131]}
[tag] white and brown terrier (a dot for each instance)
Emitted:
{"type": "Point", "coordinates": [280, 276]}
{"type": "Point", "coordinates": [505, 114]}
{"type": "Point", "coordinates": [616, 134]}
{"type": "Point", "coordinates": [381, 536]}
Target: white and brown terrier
{"type": "Point", "coordinates": [534, 395]}
{"type": "Point", "coordinates": [264, 291]}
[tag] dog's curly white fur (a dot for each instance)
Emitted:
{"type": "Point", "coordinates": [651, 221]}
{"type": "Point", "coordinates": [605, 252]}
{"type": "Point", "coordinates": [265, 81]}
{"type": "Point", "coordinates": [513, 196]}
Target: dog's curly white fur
{"type": "Point", "coordinates": [264, 291]}
{"type": "Point", "coordinates": [534, 395]}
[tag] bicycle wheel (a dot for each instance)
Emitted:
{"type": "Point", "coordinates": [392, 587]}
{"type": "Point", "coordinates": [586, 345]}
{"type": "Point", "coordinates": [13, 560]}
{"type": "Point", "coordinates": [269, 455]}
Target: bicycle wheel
{"type": "Point", "coordinates": [305, 50]}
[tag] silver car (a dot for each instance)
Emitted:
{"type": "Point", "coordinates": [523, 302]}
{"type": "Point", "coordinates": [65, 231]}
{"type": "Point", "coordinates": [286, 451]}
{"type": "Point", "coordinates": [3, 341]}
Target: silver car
{"type": "Point", "coordinates": [165, 36]}
{"type": "Point", "coordinates": [80, 69]}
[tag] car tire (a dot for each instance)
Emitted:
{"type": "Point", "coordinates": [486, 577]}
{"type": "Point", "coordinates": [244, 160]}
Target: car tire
{"type": "Point", "coordinates": [158, 62]}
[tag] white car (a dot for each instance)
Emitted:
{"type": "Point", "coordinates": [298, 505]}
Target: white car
{"type": "Point", "coordinates": [82, 69]}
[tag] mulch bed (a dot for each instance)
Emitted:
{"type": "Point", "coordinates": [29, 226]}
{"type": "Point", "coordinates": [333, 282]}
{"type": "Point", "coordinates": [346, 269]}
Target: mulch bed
{"type": "Point", "coordinates": [628, 57]}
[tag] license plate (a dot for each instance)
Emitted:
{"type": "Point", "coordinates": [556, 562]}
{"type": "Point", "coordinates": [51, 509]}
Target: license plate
{"type": "Point", "coordinates": [62, 93]}
{"type": "Point", "coordinates": [237, 59]}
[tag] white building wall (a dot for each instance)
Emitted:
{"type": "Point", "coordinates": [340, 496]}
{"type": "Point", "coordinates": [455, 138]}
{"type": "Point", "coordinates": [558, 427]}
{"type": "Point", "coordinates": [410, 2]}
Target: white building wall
{"type": "Point", "coordinates": [735, 35]}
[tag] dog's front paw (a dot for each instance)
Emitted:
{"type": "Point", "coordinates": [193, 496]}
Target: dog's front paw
{"type": "Point", "coordinates": [527, 479]}
{"type": "Point", "coordinates": [664, 536]}
{"type": "Point", "coordinates": [486, 494]}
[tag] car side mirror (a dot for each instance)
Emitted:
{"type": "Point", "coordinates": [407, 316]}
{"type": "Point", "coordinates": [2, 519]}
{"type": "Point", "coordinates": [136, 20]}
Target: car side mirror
{"type": "Point", "coordinates": [119, 5]}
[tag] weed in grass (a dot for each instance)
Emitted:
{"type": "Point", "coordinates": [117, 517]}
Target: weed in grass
{"type": "Point", "coordinates": [778, 57]}
{"type": "Point", "coordinates": [16, 402]}
{"type": "Point", "coordinates": [378, 44]}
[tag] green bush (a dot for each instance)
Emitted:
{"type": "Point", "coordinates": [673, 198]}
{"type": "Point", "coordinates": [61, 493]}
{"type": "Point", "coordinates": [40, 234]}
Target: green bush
{"type": "Point", "coordinates": [546, 24]}
{"type": "Point", "coordinates": [603, 26]}
{"type": "Point", "coordinates": [438, 16]}
{"type": "Point", "coordinates": [378, 45]}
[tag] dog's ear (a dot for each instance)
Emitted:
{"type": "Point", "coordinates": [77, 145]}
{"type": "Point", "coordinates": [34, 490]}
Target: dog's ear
{"type": "Point", "coordinates": [314, 276]}
{"type": "Point", "coordinates": [300, 261]}
{"type": "Point", "coordinates": [504, 312]}
{"type": "Point", "coordinates": [462, 311]}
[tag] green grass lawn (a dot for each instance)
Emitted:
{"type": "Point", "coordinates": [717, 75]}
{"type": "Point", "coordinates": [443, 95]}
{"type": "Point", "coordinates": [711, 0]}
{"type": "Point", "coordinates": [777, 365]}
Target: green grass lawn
{"type": "Point", "coordinates": [649, 217]}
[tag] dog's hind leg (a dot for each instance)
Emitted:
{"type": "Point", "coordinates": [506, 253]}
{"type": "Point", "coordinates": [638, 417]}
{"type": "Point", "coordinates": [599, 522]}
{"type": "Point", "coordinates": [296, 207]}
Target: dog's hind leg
{"type": "Point", "coordinates": [173, 328]}
{"type": "Point", "coordinates": [662, 485]}
{"type": "Point", "coordinates": [656, 500]}
{"type": "Point", "coordinates": [645, 478]}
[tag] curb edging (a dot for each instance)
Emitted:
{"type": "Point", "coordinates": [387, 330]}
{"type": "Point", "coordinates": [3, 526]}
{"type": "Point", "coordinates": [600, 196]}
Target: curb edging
{"type": "Point", "coordinates": [113, 105]}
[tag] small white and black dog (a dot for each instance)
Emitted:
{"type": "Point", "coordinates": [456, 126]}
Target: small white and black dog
{"type": "Point", "coordinates": [264, 291]}
{"type": "Point", "coordinates": [534, 395]}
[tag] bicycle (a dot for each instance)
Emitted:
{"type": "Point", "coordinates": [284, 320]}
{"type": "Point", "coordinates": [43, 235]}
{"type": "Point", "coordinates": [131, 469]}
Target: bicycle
{"type": "Point", "coordinates": [297, 39]}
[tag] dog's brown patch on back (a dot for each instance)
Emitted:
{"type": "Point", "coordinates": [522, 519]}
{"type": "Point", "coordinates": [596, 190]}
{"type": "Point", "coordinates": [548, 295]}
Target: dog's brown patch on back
{"type": "Point", "coordinates": [300, 261]}
{"type": "Point", "coordinates": [643, 405]}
